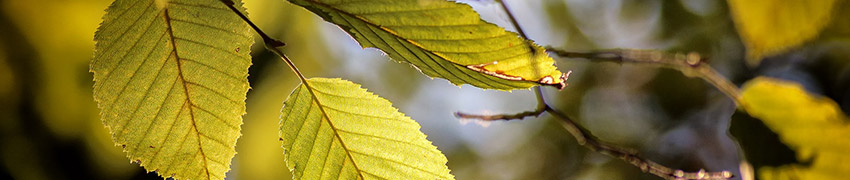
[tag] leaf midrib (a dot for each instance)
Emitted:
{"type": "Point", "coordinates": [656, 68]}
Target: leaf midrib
{"type": "Point", "coordinates": [382, 28]}
{"type": "Point", "coordinates": [421, 59]}
{"type": "Point", "coordinates": [185, 84]}
{"type": "Point", "coordinates": [333, 127]}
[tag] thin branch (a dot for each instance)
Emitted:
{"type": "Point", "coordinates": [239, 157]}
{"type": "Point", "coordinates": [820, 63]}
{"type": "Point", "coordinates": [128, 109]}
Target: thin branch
{"type": "Point", "coordinates": [513, 20]}
{"type": "Point", "coordinates": [690, 64]}
{"type": "Point", "coordinates": [506, 117]}
{"type": "Point", "coordinates": [274, 43]}
{"type": "Point", "coordinates": [585, 138]}
{"type": "Point", "coordinates": [541, 107]}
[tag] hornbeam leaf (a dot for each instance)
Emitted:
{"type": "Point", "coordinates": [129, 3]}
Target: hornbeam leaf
{"type": "Point", "coordinates": [812, 125]}
{"type": "Point", "coordinates": [170, 81]}
{"type": "Point", "coordinates": [443, 39]}
{"type": "Point", "coordinates": [771, 27]}
{"type": "Point", "coordinates": [333, 129]}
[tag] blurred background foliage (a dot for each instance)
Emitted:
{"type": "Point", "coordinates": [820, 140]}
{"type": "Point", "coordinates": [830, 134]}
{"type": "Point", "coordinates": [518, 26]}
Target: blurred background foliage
{"type": "Point", "coordinates": [51, 129]}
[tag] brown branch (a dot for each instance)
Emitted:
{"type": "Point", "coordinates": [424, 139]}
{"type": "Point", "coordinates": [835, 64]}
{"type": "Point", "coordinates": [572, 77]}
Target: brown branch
{"type": "Point", "coordinates": [541, 107]}
{"type": "Point", "coordinates": [506, 117]}
{"type": "Point", "coordinates": [586, 139]}
{"type": "Point", "coordinates": [691, 64]}
{"type": "Point", "coordinates": [269, 41]}
{"type": "Point", "coordinates": [583, 137]}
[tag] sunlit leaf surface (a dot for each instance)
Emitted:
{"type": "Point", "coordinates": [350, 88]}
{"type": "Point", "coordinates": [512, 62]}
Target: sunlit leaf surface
{"type": "Point", "coordinates": [770, 27]}
{"type": "Point", "coordinates": [170, 81]}
{"type": "Point", "coordinates": [814, 126]}
{"type": "Point", "coordinates": [443, 39]}
{"type": "Point", "coordinates": [333, 129]}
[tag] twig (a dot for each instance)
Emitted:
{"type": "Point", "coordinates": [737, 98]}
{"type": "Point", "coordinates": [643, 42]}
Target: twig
{"type": "Point", "coordinates": [690, 64]}
{"type": "Point", "coordinates": [541, 107]}
{"type": "Point", "coordinates": [274, 43]}
{"type": "Point", "coordinates": [585, 138]}
{"type": "Point", "coordinates": [506, 117]}
{"type": "Point", "coordinates": [270, 43]}
{"type": "Point", "coordinates": [513, 20]}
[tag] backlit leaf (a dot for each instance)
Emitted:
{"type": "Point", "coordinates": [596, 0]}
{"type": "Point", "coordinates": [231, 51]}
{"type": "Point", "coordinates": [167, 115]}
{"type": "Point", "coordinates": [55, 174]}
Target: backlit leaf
{"type": "Point", "coordinates": [333, 129]}
{"type": "Point", "coordinates": [170, 81]}
{"type": "Point", "coordinates": [770, 27]}
{"type": "Point", "coordinates": [814, 126]}
{"type": "Point", "coordinates": [443, 39]}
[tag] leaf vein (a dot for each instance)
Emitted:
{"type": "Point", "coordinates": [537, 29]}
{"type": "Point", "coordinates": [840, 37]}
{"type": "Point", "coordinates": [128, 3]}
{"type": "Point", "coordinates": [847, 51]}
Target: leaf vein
{"type": "Point", "coordinates": [170, 31]}
{"type": "Point", "coordinates": [325, 160]}
{"type": "Point", "coordinates": [366, 115]}
{"type": "Point", "coordinates": [159, 109]}
{"type": "Point", "coordinates": [122, 13]}
{"type": "Point", "coordinates": [209, 46]}
{"type": "Point", "coordinates": [459, 39]}
{"type": "Point", "coordinates": [229, 32]}
{"type": "Point", "coordinates": [218, 141]}
{"type": "Point", "coordinates": [111, 71]}
{"type": "Point", "coordinates": [211, 68]}
{"type": "Point", "coordinates": [171, 126]}
{"type": "Point", "coordinates": [288, 119]}
{"type": "Point", "coordinates": [313, 145]}
{"type": "Point", "coordinates": [124, 32]}
{"type": "Point", "coordinates": [130, 79]}
{"type": "Point", "coordinates": [385, 138]}
{"type": "Point", "coordinates": [397, 162]}
{"type": "Point", "coordinates": [220, 94]}
{"type": "Point", "coordinates": [183, 139]}
{"type": "Point", "coordinates": [216, 116]}
{"type": "Point", "coordinates": [205, 6]}
{"type": "Point", "coordinates": [357, 28]}
{"type": "Point", "coordinates": [407, 11]}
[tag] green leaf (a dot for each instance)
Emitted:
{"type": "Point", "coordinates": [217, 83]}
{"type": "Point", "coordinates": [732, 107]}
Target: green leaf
{"type": "Point", "coordinates": [443, 39]}
{"type": "Point", "coordinates": [170, 81]}
{"type": "Point", "coordinates": [333, 129]}
{"type": "Point", "coordinates": [771, 27]}
{"type": "Point", "coordinates": [812, 125]}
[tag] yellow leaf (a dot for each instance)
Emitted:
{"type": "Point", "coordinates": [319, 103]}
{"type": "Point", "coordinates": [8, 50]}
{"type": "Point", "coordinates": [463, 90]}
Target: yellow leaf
{"type": "Point", "coordinates": [770, 27]}
{"type": "Point", "coordinates": [170, 81]}
{"type": "Point", "coordinates": [333, 129]}
{"type": "Point", "coordinates": [443, 39]}
{"type": "Point", "coordinates": [812, 125]}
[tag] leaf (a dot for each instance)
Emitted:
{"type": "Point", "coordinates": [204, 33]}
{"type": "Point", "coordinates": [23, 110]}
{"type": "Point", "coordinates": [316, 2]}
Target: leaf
{"type": "Point", "coordinates": [771, 27]}
{"type": "Point", "coordinates": [812, 125]}
{"type": "Point", "coordinates": [170, 81]}
{"type": "Point", "coordinates": [443, 39]}
{"type": "Point", "coordinates": [333, 129]}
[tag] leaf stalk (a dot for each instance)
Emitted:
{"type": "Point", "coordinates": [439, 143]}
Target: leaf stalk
{"type": "Point", "coordinates": [273, 45]}
{"type": "Point", "coordinates": [270, 43]}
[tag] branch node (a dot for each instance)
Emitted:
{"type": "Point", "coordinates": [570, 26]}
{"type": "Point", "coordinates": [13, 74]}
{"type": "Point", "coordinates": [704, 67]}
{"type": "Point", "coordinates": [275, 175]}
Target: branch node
{"type": "Point", "coordinates": [273, 43]}
{"type": "Point", "coordinates": [693, 59]}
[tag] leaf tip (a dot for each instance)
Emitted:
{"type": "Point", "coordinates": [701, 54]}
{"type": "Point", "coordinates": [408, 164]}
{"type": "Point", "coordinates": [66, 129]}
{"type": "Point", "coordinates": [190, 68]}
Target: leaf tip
{"type": "Point", "coordinates": [560, 84]}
